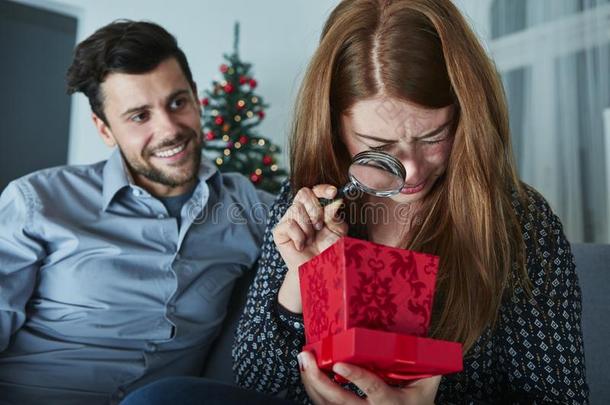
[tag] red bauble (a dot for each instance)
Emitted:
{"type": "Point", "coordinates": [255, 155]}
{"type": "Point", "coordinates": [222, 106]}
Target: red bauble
{"type": "Point", "coordinates": [267, 160]}
{"type": "Point", "coordinates": [255, 178]}
{"type": "Point", "coordinates": [253, 83]}
{"type": "Point", "coordinates": [229, 88]}
{"type": "Point", "coordinates": [210, 135]}
{"type": "Point", "coordinates": [224, 68]}
{"type": "Point", "coordinates": [243, 79]}
{"type": "Point", "coordinates": [219, 120]}
{"type": "Point", "coordinates": [205, 101]}
{"type": "Point", "coordinates": [243, 139]}
{"type": "Point", "coordinates": [261, 114]}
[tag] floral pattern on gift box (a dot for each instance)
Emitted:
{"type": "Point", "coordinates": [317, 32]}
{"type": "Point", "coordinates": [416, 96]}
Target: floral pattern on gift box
{"type": "Point", "coordinates": [321, 309]}
{"type": "Point", "coordinates": [357, 283]}
{"type": "Point", "coordinates": [372, 303]}
{"type": "Point", "coordinates": [317, 297]}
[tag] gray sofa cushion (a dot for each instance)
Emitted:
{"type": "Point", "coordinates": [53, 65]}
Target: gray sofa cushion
{"type": "Point", "coordinates": [219, 364]}
{"type": "Point", "coordinates": [593, 268]}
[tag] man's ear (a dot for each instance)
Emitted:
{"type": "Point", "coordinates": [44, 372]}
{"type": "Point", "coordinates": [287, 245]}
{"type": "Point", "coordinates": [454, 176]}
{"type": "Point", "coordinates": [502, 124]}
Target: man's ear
{"type": "Point", "coordinates": [104, 131]}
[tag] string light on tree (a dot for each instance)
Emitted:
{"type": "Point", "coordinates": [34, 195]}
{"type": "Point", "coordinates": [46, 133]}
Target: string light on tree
{"type": "Point", "coordinates": [231, 111]}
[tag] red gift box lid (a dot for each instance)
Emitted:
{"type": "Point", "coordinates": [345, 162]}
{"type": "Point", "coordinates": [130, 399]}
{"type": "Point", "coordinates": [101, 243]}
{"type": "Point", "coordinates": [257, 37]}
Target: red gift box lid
{"type": "Point", "coordinates": [394, 357]}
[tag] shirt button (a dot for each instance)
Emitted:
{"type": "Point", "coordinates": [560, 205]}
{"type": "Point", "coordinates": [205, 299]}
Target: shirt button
{"type": "Point", "coordinates": [151, 347]}
{"type": "Point", "coordinates": [171, 309]}
{"type": "Point", "coordinates": [137, 192]}
{"type": "Point", "coordinates": [161, 216]}
{"type": "Point", "coordinates": [120, 394]}
{"type": "Point", "coordinates": [297, 325]}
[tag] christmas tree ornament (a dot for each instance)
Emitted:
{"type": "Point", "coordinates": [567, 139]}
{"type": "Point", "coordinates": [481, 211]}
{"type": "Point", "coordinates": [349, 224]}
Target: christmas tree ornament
{"type": "Point", "coordinates": [229, 88]}
{"type": "Point", "coordinates": [255, 178]}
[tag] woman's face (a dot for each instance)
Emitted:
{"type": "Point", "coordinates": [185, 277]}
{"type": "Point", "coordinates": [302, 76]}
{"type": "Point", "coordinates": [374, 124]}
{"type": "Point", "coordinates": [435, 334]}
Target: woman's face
{"type": "Point", "coordinates": [420, 138]}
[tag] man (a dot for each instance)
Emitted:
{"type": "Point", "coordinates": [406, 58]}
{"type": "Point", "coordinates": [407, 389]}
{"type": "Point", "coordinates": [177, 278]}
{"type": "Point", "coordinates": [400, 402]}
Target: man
{"type": "Point", "coordinates": [115, 274]}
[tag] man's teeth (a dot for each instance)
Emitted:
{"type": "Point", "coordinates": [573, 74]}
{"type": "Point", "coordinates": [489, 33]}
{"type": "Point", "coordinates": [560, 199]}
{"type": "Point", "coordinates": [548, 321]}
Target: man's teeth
{"type": "Point", "coordinates": [171, 152]}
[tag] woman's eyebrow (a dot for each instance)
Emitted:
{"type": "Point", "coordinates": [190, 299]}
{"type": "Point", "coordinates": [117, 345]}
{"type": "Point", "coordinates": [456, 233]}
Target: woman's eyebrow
{"type": "Point", "coordinates": [374, 138]}
{"type": "Point", "coordinates": [433, 132]}
{"type": "Point", "coordinates": [429, 134]}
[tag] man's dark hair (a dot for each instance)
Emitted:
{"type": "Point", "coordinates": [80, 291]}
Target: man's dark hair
{"type": "Point", "coordinates": [122, 46]}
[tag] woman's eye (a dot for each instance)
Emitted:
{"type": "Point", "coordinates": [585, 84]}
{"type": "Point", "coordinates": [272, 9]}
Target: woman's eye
{"type": "Point", "coordinates": [438, 139]}
{"type": "Point", "coordinates": [381, 147]}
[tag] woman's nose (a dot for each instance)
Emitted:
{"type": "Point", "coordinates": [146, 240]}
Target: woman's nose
{"type": "Point", "coordinates": [412, 163]}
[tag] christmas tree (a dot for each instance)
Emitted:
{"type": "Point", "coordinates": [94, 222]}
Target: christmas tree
{"type": "Point", "coordinates": [231, 111]}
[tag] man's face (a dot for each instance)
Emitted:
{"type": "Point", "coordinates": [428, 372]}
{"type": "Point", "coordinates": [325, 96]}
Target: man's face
{"type": "Point", "coordinates": [154, 119]}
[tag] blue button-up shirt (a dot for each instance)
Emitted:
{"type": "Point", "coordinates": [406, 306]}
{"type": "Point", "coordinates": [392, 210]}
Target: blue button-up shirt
{"type": "Point", "coordinates": [100, 290]}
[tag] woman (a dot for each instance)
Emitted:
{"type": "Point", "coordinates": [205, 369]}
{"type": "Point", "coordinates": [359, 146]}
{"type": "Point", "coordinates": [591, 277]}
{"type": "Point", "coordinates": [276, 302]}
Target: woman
{"type": "Point", "coordinates": [408, 77]}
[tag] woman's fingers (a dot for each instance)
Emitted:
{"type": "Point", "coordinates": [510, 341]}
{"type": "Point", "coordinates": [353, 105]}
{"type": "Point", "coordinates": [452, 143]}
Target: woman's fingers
{"type": "Point", "coordinates": [306, 216]}
{"type": "Point", "coordinates": [319, 387]}
{"type": "Point", "coordinates": [299, 213]}
{"type": "Point", "coordinates": [289, 231]}
{"type": "Point", "coordinates": [335, 224]}
{"type": "Point", "coordinates": [376, 390]}
{"type": "Point", "coordinates": [308, 199]}
{"type": "Point", "coordinates": [324, 191]}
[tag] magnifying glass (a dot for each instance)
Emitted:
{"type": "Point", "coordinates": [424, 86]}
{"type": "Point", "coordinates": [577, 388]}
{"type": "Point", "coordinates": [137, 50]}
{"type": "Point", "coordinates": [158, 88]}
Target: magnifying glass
{"type": "Point", "coordinates": [372, 172]}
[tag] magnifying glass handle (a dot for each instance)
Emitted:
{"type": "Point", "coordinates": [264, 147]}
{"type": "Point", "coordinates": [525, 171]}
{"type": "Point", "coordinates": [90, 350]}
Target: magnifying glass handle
{"type": "Point", "coordinates": [340, 194]}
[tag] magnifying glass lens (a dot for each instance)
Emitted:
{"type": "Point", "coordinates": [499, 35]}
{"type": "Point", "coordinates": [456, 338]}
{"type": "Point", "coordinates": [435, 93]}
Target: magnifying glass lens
{"type": "Point", "coordinates": [375, 173]}
{"type": "Point", "coordinates": [376, 178]}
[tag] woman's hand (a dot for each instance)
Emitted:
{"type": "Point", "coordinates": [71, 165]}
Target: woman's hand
{"type": "Point", "coordinates": [322, 390]}
{"type": "Point", "coordinates": [305, 230]}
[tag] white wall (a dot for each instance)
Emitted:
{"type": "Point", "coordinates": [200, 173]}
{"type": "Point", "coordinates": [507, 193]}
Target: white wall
{"type": "Point", "coordinates": [277, 37]}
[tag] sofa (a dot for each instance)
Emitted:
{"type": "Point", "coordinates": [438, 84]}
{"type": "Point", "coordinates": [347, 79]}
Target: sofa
{"type": "Point", "coordinates": [593, 268]}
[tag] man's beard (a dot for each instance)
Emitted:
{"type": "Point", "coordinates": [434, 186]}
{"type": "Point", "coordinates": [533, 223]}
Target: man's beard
{"type": "Point", "coordinates": [158, 176]}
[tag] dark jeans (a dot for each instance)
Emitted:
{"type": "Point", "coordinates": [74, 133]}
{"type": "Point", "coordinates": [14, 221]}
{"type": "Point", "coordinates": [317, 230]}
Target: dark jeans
{"type": "Point", "coordinates": [197, 391]}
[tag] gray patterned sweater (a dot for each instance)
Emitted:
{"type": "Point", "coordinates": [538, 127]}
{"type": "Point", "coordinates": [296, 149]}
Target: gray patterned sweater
{"type": "Point", "coordinates": [533, 355]}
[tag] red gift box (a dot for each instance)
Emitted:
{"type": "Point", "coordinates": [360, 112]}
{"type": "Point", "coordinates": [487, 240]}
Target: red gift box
{"type": "Point", "coordinates": [370, 305]}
